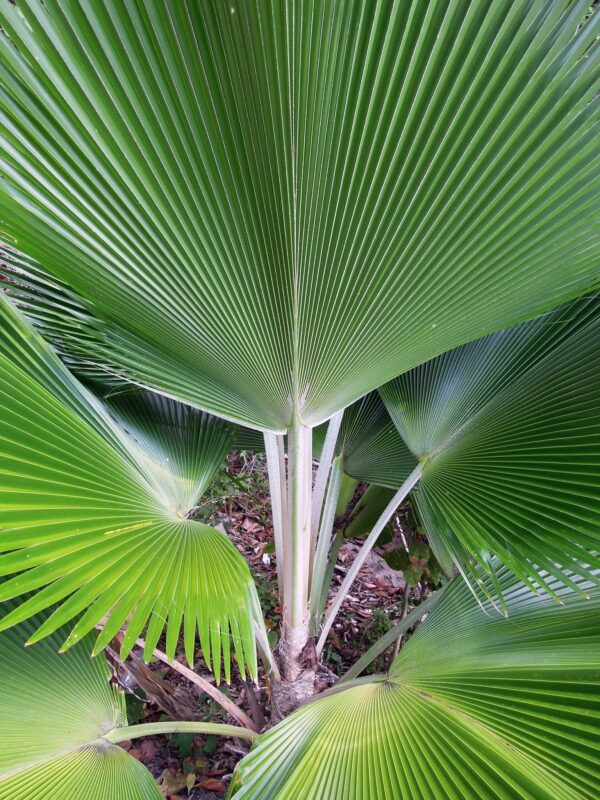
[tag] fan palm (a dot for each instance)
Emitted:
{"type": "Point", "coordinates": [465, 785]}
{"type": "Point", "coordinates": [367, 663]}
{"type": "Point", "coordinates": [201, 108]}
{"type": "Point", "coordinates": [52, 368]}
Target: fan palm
{"type": "Point", "coordinates": [60, 721]}
{"type": "Point", "coordinates": [256, 214]}
{"type": "Point", "coordinates": [276, 208]}
{"type": "Point", "coordinates": [92, 511]}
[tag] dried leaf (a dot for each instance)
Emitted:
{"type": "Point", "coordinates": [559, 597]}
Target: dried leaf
{"type": "Point", "coordinates": [148, 750]}
{"type": "Point", "coordinates": [172, 781]}
{"type": "Point", "coordinates": [213, 785]}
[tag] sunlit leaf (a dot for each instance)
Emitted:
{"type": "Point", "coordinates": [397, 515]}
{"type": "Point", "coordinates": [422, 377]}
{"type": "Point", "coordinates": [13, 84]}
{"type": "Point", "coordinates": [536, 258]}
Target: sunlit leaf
{"type": "Point", "coordinates": [92, 517]}
{"type": "Point", "coordinates": [54, 713]}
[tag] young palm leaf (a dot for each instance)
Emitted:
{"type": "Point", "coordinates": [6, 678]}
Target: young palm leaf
{"type": "Point", "coordinates": [60, 720]}
{"type": "Point", "coordinates": [94, 512]}
{"type": "Point", "coordinates": [508, 432]}
{"type": "Point", "coordinates": [273, 208]}
{"type": "Point", "coordinates": [180, 447]}
{"type": "Point", "coordinates": [476, 706]}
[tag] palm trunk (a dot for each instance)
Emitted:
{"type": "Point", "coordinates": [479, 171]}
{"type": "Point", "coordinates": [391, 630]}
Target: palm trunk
{"type": "Point", "coordinates": [296, 515]}
{"type": "Point", "coordinates": [297, 554]}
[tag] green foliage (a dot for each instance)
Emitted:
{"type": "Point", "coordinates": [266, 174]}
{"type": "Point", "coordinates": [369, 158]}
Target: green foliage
{"type": "Point", "coordinates": [92, 517]}
{"type": "Point", "coordinates": [267, 211]}
{"type": "Point", "coordinates": [370, 446]}
{"type": "Point", "coordinates": [417, 564]}
{"type": "Point", "coordinates": [379, 624]}
{"type": "Point", "coordinates": [261, 236]}
{"type": "Point", "coordinates": [367, 512]}
{"type": "Point", "coordinates": [507, 429]}
{"type": "Point", "coordinates": [54, 713]}
{"type": "Point", "coordinates": [477, 705]}
{"type": "Point", "coordinates": [347, 489]}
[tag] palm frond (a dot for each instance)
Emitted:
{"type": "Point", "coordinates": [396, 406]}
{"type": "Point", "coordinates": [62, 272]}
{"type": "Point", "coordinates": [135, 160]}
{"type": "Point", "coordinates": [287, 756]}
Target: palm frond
{"type": "Point", "coordinates": [370, 446]}
{"type": "Point", "coordinates": [176, 445]}
{"type": "Point", "coordinates": [368, 510]}
{"type": "Point", "coordinates": [273, 208]}
{"type": "Point", "coordinates": [91, 512]}
{"type": "Point", "coordinates": [508, 430]}
{"type": "Point", "coordinates": [476, 706]}
{"type": "Point", "coordinates": [54, 713]}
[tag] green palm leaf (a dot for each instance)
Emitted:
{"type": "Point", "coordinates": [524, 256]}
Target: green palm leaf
{"type": "Point", "coordinates": [369, 445]}
{"type": "Point", "coordinates": [92, 514]}
{"type": "Point", "coordinates": [447, 548]}
{"type": "Point", "coordinates": [57, 314]}
{"type": "Point", "coordinates": [273, 208]}
{"type": "Point", "coordinates": [508, 430]}
{"type": "Point", "coordinates": [182, 448]}
{"type": "Point", "coordinates": [54, 713]}
{"type": "Point", "coordinates": [368, 510]}
{"type": "Point", "coordinates": [476, 706]}
{"type": "Point", "coordinates": [53, 310]}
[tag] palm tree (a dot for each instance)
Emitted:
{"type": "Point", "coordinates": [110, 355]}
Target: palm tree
{"type": "Point", "coordinates": [252, 215]}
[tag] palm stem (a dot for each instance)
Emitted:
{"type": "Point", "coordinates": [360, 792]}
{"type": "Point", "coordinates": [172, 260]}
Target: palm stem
{"type": "Point", "coordinates": [336, 544]}
{"type": "Point", "coordinates": [362, 554]}
{"type": "Point", "coordinates": [296, 549]}
{"type": "Point", "coordinates": [381, 645]}
{"type": "Point", "coordinates": [117, 735]}
{"type": "Point", "coordinates": [324, 541]}
{"type": "Point", "coordinates": [405, 599]}
{"type": "Point", "coordinates": [262, 641]}
{"type": "Point", "coordinates": [278, 490]}
{"type": "Point", "coordinates": [205, 686]}
{"type": "Point", "coordinates": [321, 479]}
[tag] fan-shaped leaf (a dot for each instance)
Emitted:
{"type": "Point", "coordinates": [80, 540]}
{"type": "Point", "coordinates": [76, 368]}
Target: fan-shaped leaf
{"type": "Point", "coordinates": [273, 208]}
{"type": "Point", "coordinates": [509, 433]}
{"type": "Point", "coordinates": [91, 512]}
{"type": "Point", "coordinates": [54, 713]}
{"type": "Point", "coordinates": [446, 547]}
{"type": "Point", "coordinates": [370, 446]}
{"type": "Point", "coordinates": [181, 446]}
{"type": "Point", "coordinates": [476, 706]}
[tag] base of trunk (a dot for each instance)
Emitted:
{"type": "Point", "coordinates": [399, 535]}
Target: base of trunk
{"type": "Point", "coordinates": [288, 695]}
{"type": "Point", "coordinates": [297, 653]}
{"type": "Point", "coordinates": [298, 661]}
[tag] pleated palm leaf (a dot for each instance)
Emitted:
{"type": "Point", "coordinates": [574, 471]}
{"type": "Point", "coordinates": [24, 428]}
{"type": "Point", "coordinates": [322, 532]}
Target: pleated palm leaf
{"type": "Point", "coordinates": [508, 435]}
{"type": "Point", "coordinates": [55, 713]}
{"type": "Point", "coordinates": [94, 504]}
{"type": "Point", "coordinates": [368, 444]}
{"type": "Point", "coordinates": [180, 446]}
{"type": "Point", "coordinates": [57, 314]}
{"type": "Point", "coordinates": [368, 510]}
{"type": "Point", "coordinates": [476, 706]}
{"type": "Point", "coordinates": [54, 311]}
{"type": "Point", "coordinates": [273, 208]}
{"type": "Point", "coordinates": [60, 721]}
